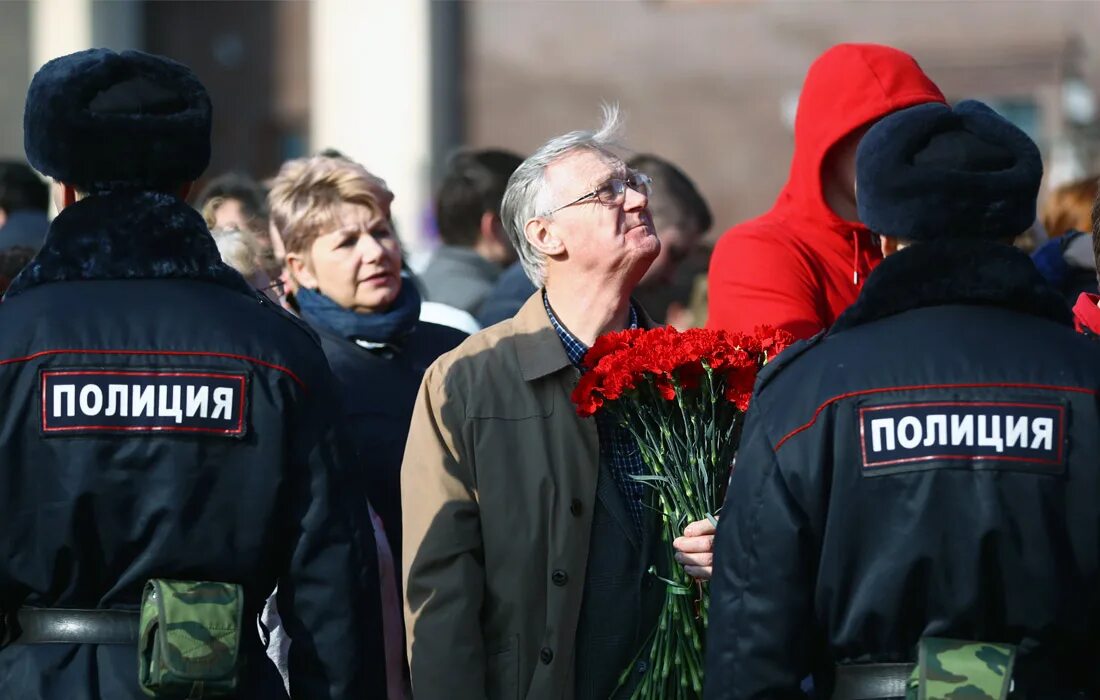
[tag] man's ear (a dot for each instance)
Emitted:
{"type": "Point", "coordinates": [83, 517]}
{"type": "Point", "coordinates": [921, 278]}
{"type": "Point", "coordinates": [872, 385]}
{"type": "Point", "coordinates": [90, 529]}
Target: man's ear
{"type": "Point", "coordinates": [538, 234]}
{"type": "Point", "coordinates": [298, 267]}
{"type": "Point", "coordinates": [490, 228]}
{"type": "Point", "coordinates": [889, 245]}
{"type": "Point", "coordinates": [69, 196]}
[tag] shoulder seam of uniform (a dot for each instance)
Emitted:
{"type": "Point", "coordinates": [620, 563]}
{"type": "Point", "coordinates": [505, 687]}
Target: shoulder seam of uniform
{"type": "Point", "coordinates": [987, 385]}
{"type": "Point", "coordinates": [788, 357]}
{"type": "Point", "coordinates": [758, 503]}
{"type": "Point", "coordinates": [170, 353]}
{"type": "Point", "coordinates": [286, 317]}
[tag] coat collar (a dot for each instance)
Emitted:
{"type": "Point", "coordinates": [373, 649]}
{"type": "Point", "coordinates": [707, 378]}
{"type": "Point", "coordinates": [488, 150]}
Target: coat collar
{"type": "Point", "coordinates": [128, 235]}
{"type": "Point", "coordinates": [979, 273]}
{"type": "Point", "coordinates": [538, 346]}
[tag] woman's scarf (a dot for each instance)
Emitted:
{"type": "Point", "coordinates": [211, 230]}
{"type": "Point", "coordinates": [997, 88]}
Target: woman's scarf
{"type": "Point", "coordinates": [384, 327]}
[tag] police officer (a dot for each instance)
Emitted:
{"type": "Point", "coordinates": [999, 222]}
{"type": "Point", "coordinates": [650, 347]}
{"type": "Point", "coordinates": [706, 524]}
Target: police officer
{"type": "Point", "coordinates": [162, 420]}
{"type": "Point", "coordinates": [930, 466]}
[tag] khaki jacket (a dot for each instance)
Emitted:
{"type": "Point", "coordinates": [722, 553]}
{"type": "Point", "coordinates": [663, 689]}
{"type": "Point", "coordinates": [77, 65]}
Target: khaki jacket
{"type": "Point", "coordinates": [498, 487]}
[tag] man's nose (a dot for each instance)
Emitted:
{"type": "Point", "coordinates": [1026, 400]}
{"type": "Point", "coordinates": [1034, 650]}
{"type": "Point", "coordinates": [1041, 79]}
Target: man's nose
{"type": "Point", "coordinates": [635, 200]}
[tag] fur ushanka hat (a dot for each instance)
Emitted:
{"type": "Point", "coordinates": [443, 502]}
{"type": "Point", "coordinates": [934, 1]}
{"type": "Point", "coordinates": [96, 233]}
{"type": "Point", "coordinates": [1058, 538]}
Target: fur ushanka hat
{"type": "Point", "coordinates": [935, 172]}
{"type": "Point", "coordinates": [101, 121]}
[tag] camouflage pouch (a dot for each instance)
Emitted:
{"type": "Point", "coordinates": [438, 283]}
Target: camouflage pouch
{"type": "Point", "coordinates": [190, 638]}
{"type": "Point", "coordinates": [950, 668]}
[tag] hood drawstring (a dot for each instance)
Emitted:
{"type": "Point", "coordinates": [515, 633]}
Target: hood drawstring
{"type": "Point", "coordinates": [855, 258]}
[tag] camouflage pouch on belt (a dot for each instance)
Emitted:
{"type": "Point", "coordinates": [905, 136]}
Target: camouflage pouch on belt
{"type": "Point", "coordinates": [950, 668]}
{"type": "Point", "coordinates": [190, 638]}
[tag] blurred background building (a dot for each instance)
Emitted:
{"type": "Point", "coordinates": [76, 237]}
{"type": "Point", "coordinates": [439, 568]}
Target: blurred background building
{"type": "Point", "coordinates": [713, 86]}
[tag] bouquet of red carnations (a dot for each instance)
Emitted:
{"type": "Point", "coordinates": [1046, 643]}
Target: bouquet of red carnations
{"type": "Point", "coordinates": [681, 395]}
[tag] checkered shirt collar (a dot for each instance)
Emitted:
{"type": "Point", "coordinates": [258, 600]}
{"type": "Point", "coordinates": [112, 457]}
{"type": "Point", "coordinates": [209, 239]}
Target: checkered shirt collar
{"type": "Point", "coordinates": [574, 348]}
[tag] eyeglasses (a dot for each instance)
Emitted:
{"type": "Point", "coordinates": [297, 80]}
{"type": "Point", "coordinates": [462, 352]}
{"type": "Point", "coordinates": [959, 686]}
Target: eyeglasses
{"type": "Point", "coordinates": [278, 286]}
{"type": "Point", "coordinates": [613, 192]}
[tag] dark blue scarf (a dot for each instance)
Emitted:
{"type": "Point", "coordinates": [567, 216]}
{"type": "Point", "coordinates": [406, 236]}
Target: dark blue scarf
{"type": "Point", "coordinates": [387, 327]}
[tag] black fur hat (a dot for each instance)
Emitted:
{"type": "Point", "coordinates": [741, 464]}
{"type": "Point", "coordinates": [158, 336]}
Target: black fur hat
{"type": "Point", "coordinates": [934, 172]}
{"type": "Point", "coordinates": [100, 120]}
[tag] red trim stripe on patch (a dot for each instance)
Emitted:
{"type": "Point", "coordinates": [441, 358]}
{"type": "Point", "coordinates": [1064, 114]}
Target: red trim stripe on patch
{"type": "Point", "coordinates": [926, 387]}
{"type": "Point", "coordinates": [165, 353]}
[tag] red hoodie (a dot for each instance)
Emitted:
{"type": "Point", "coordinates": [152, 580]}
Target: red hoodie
{"type": "Point", "coordinates": [800, 265]}
{"type": "Point", "coordinates": [1086, 313]}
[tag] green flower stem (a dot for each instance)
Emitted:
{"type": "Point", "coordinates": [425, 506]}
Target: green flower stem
{"type": "Point", "coordinates": [687, 445]}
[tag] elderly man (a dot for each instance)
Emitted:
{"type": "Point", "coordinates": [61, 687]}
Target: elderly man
{"type": "Point", "coordinates": [681, 217]}
{"type": "Point", "coordinates": [528, 546]}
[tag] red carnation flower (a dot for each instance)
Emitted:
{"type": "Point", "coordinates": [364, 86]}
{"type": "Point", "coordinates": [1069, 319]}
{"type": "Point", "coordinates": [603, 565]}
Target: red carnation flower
{"type": "Point", "coordinates": [739, 384]}
{"type": "Point", "coordinates": [585, 395]}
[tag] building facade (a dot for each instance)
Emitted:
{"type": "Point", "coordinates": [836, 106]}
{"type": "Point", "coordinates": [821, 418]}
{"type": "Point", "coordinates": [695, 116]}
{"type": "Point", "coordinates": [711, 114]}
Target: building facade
{"type": "Point", "coordinates": [710, 85]}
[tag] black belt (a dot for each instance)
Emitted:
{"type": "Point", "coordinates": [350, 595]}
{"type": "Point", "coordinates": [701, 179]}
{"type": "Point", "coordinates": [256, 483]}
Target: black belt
{"type": "Point", "coordinates": [871, 681]}
{"type": "Point", "coordinates": [66, 626]}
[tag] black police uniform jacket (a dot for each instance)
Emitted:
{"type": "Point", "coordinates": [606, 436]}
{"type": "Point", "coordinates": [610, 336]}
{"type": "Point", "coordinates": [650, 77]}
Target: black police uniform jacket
{"type": "Point", "coordinates": [160, 419]}
{"type": "Point", "coordinates": [928, 467]}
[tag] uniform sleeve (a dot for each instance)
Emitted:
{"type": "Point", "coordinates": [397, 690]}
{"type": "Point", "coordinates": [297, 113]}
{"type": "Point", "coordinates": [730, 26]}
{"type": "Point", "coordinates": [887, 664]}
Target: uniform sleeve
{"type": "Point", "coordinates": [755, 280]}
{"type": "Point", "coordinates": [761, 616]}
{"type": "Point", "coordinates": [328, 595]}
{"type": "Point", "coordinates": [443, 559]}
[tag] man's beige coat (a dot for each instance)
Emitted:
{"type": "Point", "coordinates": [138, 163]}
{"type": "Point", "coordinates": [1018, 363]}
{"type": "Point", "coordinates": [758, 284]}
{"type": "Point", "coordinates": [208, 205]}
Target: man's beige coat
{"type": "Point", "coordinates": [498, 487]}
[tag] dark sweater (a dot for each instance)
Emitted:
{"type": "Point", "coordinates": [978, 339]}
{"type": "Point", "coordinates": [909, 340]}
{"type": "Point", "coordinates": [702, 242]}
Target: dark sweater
{"type": "Point", "coordinates": [377, 389]}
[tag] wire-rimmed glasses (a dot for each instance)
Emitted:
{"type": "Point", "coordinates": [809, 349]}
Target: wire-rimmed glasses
{"type": "Point", "coordinates": [613, 191]}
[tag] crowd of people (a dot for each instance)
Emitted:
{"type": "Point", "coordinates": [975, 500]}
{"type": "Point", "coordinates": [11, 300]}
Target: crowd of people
{"type": "Point", "coordinates": [245, 437]}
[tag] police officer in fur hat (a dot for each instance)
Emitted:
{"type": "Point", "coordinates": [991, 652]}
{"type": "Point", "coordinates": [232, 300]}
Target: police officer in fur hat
{"type": "Point", "coordinates": [169, 446]}
{"type": "Point", "coordinates": [921, 483]}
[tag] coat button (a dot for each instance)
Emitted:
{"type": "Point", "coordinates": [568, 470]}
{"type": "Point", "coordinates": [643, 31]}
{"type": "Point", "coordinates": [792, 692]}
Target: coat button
{"type": "Point", "coordinates": [546, 655]}
{"type": "Point", "coordinates": [559, 577]}
{"type": "Point", "coordinates": [576, 507]}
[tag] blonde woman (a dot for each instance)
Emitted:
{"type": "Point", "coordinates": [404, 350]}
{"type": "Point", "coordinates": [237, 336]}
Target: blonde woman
{"type": "Point", "coordinates": [346, 264]}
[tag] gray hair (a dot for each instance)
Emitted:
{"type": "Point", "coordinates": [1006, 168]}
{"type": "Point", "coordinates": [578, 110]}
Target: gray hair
{"type": "Point", "coordinates": [526, 196]}
{"type": "Point", "coordinates": [239, 249]}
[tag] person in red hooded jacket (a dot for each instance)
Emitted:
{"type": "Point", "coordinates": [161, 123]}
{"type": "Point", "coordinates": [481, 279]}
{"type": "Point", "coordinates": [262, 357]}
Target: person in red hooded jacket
{"type": "Point", "coordinates": [1086, 312]}
{"type": "Point", "coordinates": [800, 265]}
